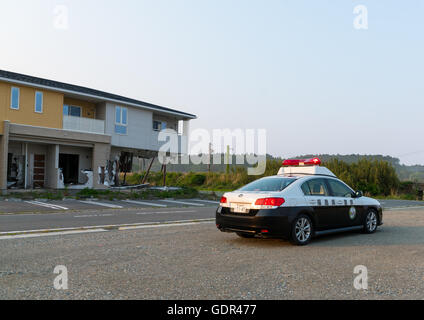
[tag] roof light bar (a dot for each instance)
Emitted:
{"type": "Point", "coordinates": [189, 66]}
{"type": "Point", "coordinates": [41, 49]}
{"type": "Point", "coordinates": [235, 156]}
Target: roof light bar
{"type": "Point", "coordinates": [302, 162]}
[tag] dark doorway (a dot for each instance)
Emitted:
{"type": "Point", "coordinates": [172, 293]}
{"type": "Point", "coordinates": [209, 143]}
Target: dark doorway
{"type": "Point", "coordinates": [69, 163]}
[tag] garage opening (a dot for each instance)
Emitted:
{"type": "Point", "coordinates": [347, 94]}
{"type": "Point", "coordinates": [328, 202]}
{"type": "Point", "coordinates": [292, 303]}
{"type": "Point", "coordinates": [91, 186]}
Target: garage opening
{"type": "Point", "coordinates": [69, 163]}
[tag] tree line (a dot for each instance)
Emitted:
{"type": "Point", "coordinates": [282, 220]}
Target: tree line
{"type": "Point", "coordinates": [373, 177]}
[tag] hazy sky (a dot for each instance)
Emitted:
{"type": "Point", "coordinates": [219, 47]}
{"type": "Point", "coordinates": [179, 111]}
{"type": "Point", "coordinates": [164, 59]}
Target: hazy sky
{"type": "Point", "coordinates": [296, 68]}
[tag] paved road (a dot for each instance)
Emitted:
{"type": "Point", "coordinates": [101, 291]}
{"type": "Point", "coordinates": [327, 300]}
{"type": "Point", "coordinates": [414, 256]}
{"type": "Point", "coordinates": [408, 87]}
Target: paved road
{"type": "Point", "coordinates": [47, 206]}
{"type": "Point", "coordinates": [77, 214]}
{"type": "Point", "coordinates": [199, 262]}
{"type": "Point", "coordinates": [91, 218]}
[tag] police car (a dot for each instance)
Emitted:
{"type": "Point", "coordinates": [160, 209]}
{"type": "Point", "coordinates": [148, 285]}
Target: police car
{"type": "Point", "coordinates": [304, 200]}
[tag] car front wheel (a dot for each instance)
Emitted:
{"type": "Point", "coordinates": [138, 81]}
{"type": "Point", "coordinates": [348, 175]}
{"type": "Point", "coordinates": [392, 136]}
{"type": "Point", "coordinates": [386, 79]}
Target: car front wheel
{"type": "Point", "coordinates": [301, 230]}
{"type": "Point", "coordinates": [371, 222]}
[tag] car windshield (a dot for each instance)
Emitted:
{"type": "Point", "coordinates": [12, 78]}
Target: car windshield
{"type": "Point", "coordinates": [268, 184]}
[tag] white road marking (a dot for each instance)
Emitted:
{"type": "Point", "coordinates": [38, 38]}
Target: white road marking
{"type": "Point", "coordinates": [47, 205]}
{"type": "Point", "coordinates": [146, 203]}
{"type": "Point", "coordinates": [402, 208]}
{"type": "Point", "coordinates": [47, 234]}
{"type": "Point", "coordinates": [183, 202]}
{"type": "Point", "coordinates": [147, 213]}
{"type": "Point", "coordinates": [102, 204]}
{"type": "Point", "coordinates": [63, 231]}
{"type": "Point", "coordinates": [94, 215]}
{"type": "Point", "coordinates": [208, 201]}
{"type": "Point", "coordinates": [163, 225]}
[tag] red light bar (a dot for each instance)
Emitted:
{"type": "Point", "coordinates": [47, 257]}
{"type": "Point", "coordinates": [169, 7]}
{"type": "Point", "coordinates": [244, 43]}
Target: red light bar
{"type": "Point", "coordinates": [302, 162]}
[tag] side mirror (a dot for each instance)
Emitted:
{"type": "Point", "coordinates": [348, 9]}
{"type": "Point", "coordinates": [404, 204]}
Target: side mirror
{"type": "Point", "coordinates": [358, 194]}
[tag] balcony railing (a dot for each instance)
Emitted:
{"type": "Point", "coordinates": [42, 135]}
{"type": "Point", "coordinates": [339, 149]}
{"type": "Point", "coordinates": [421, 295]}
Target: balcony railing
{"type": "Point", "coordinates": [83, 124]}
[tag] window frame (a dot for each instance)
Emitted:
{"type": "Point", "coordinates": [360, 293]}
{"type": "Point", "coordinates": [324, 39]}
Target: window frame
{"type": "Point", "coordinates": [161, 125]}
{"type": "Point", "coordinates": [121, 124]}
{"type": "Point", "coordinates": [153, 125]}
{"type": "Point", "coordinates": [324, 182]}
{"type": "Point", "coordinates": [339, 181]}
{"type": "Point", "coordinates": [69, 109]}
{"type": "Point", "coordinates": [42, 102]}
{"type": "Point", "coordinates": [11, 98]}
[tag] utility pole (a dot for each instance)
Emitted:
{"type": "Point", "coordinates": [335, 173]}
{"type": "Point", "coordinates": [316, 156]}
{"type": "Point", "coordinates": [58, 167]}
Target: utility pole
{"type": "Point", "coordinates": [228, 159]}
{"type": "Point", "coordinates": [210, 157]}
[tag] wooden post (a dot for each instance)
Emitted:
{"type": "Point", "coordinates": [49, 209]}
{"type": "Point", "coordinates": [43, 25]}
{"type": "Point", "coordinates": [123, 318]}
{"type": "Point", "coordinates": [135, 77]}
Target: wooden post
{"type": "Point", "coordinates": [148, 171]}
{"type": "Point", "coordinates": [164, 175]}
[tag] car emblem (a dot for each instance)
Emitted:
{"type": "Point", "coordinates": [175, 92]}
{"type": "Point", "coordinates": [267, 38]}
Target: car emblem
{"type": "Point", "coordinates": [240, 195]}
{"type": "Point", "coordinates": [352, 213]}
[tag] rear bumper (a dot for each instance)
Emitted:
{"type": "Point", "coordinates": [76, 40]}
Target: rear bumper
{"type": "Point", "coordinates": [277, 222]}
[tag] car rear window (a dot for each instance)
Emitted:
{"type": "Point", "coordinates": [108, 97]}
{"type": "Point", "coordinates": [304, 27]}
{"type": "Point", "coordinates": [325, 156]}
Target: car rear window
{"type": "Point", "coordinates": [268, 184]}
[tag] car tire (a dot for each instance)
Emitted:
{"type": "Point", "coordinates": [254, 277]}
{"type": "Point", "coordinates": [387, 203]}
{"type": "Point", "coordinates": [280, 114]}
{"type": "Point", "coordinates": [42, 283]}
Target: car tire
{"type": "Point", "coordinates": [245, 235]}
{"type": "Point", "coordinates": [302, 230]}
{"type": "Point", "coordinates": [371, 222]}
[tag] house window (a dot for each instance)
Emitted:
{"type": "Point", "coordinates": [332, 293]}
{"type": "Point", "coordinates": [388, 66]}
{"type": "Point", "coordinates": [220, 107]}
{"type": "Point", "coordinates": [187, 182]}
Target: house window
{"type": "Point", "coordinates": [159, 125]}
{"type": "Point", "coordinates": [72, 111]}
{"type": "Point", "coordinates": [14, 100]}
{"type": "Point", "coordinates": [38, 102]}
{"type": "Point", "coordinates": [121, 120]}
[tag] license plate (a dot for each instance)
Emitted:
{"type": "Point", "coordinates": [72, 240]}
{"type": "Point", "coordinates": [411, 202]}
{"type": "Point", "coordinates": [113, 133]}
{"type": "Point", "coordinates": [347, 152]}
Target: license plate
{"type": "Point", "coordinates": [239, 208]}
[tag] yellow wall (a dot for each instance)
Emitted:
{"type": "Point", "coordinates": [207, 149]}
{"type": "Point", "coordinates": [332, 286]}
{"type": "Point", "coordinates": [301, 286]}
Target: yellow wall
{"type": "Point", "coordinates": [52, 107]}
{"type": "Point", "coordinates": [88, 108]}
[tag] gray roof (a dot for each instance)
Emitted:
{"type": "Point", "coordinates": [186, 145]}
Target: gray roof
{"type": "Point", "coordinates": [60, 86]}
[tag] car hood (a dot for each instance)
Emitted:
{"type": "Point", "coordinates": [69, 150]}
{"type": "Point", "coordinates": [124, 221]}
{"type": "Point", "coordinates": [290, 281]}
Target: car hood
{"type": "Point", "coordinates": [370, 201]}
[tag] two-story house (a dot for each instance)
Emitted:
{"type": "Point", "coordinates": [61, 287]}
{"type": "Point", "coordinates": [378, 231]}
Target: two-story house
{"type": "Point", "coordinates": [54, 134]}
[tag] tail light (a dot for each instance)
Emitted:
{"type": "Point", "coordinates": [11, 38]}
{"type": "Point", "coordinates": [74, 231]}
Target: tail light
{"type": "Point", "coordinates": [273, 202]}
{"type": "Point", "coordinates": [223, 200]}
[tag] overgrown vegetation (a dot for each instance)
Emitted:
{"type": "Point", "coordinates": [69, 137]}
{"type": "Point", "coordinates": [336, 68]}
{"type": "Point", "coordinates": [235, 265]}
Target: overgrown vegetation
{"type": "Point", "coordinates": [413, 173]}
{"type": "Point", "coordinates": [373, 177]}
{"type": "Point", "coordinates": [377, 178]}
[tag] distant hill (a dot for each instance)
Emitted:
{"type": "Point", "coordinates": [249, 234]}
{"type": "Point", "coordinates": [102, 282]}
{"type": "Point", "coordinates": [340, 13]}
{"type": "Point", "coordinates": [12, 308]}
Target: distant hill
{"type": "Point", "coordinates": [405, 173]}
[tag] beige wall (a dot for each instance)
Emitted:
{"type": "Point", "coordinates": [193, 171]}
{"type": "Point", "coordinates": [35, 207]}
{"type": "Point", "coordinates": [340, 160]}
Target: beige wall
{"type": "Point", "coordinates": [52, 166]}
{"type": "Point", "coordinates": [101, 154]}
{"type": "Point", "coordinates": [52, 107]}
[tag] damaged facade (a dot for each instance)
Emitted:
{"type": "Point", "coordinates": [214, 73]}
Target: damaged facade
{"type": "Point", "coordinates": [55, 135]}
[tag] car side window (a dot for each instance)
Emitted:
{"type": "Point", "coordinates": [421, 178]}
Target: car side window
{"type": "Point", "coordinates": [339, 189]}
{"type": "Point", "coordinates": [305, 189]}
{"type": "Point", "coordinates": [316, 187]}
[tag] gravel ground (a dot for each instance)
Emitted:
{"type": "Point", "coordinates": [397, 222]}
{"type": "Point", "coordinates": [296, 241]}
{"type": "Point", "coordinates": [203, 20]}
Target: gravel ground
{"type": "Point", "coordinates": [199, 262]}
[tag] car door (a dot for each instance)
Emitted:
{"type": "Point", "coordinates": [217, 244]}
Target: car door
{"type": "Point", "coordinates": [317, 196]}
{"type": "Point", "coordinates": [346, 209]}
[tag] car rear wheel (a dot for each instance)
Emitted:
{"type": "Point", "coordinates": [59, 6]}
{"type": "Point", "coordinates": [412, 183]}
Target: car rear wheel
{"type": "Point", "coordinates": [301, 230]}
{"type": "Point", "coordinates": [371, 222]}
{"type": "Point", "coordinates": [245, 235]}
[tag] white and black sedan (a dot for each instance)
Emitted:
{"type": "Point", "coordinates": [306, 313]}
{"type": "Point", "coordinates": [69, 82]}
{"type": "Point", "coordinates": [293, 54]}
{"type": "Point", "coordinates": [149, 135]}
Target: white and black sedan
{"type": "Point", "coordinates": [304, 200]}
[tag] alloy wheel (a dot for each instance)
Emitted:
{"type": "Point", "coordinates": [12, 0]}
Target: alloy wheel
{"type": "Point", "coordinates": [303, 229]}
{"type": "Point", "coordinates": [371, 221]}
